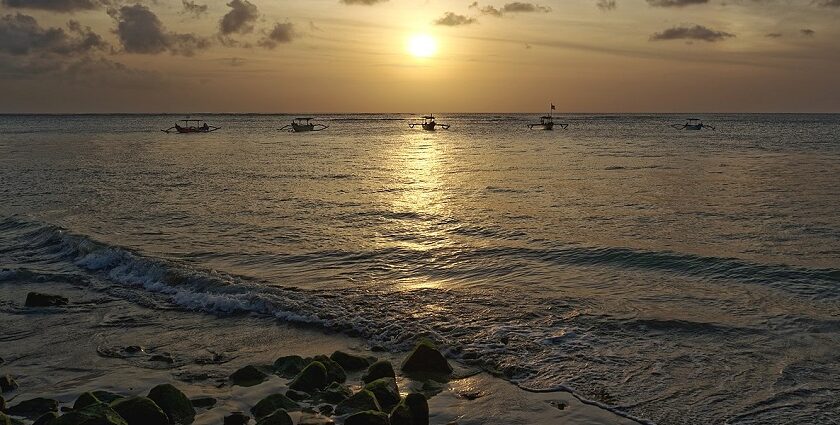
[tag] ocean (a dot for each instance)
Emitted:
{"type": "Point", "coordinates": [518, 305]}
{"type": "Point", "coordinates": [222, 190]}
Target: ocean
{"type": "Point", "coordinates": [679, 276]}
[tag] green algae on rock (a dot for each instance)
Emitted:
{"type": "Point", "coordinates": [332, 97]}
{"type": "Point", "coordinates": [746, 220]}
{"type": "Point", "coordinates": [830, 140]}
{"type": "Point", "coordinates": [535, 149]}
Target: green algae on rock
{"type": "Point", "coordinates": [426, 359]}
{"type": "Point", "coordinates": [350, 362]}
{"type": "Point", "coordinates": [386, 392]}
{"type": "Point", "coordinates": [248, 376]}
{"type": "Point", "coordinates": [289, 366]}
{"type": "Point", "coordinates": [361, 401]}
{"type": "Point", "coordinates": [33, 408]}
{"type": "Point", "coordinates": [140, 411]}
{"type": "Point", "coordinates": [174, 403]}
{"type": "Point", "coordinates": [279, 417]}
{"type": "Point", "coordinates": [272, 403]}
{"type": "Point", "coordinates": [95, 414]}
{"type": "Point", "coordinates": [380, 369]}
{"type": "Point", "coordinates": [369, 417]}
{"type": "Point", "coordinates": [312, 378]}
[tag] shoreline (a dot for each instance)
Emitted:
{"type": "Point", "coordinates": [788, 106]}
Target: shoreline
{"type": "Point", "coordinates": [77, 348]}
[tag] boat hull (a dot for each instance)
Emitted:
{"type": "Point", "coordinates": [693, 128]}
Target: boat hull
{"type": "Point", "coordinates": [192, 130]}
{"type": "Point", "coordinates": [694, 127]}
{"type": "Point", "coordinates": [299, 128]}
{"type": "Point", "coordinates": [429, 126]}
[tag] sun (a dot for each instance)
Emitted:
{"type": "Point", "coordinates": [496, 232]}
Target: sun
{"type": "Point", "coordinates": [422, 46]}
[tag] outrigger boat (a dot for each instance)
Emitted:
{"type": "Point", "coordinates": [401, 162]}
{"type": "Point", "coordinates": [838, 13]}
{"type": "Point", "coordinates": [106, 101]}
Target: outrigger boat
{"type": "Point", "coordinates": [191, 126]}
{"type": "Point", "coordinates": [547, 122]}
{"type": "Point", "coordinates": [300, 125]}
{"type": "Point", "coordinates": [692, 124]}
{"type": "Point", "coordinates": [429, 124]}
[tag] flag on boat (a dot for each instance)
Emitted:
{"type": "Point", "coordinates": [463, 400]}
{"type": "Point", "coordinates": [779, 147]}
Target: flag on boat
{"type": "Point", "coordinates": [552, 107]}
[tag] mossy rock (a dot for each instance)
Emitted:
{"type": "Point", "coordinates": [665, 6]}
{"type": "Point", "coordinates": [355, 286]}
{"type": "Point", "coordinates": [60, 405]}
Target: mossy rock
{"type": "Point", "coordinates": [106, 396]}
{"type": "Point", "coordinates": [335, 393]}
{"type": "Point", "coordinates": [203, 402]}
{"type": "Point", "coordinates": [335, 373]}
{"type": "Point", "coordinates": [350, 362]}
{"type": "Point", "coordinates": [140, 411]}
{"type": "Point", "coordinates": [85, 400]}
{"type": "Point", "coordinates": [298, 395]}
{"type": "Point", "coordinates": [7, 383]}
{"type": "Point", "coordinates": [363, 400]}
{"type": "Point", "coordinates": [33, 408]}
{"type": "Point", "coordinates": [248, 376]}
{"type": "Point", "coordinates": [44, 419]}
{"type": "Point", "coordinates": [419, 407]}
{"type": "Point", "coordinates": [95, 414]}
{"type": "Point", "coordinates": [312, 378]}
{"type": "Point", "coordinates": [386, 392]}
{"type": "Point", "coordinates": [401, 415]}
{"type": "Point", "coordinates": [271, 403]}
{"type": "Point", "coordinates": [426, 360]}
{"type": "Point", "coordinates": [380, 369]}
{"type": "Point", "coordinates": [367, 418]}
{"type": "Point", "coordinates": [289, 366]}
{"type": "Point", "coordinates": [38, 299]}
{"type": "Point", "coordinates": [237, 418]}
{"type": "Point", "coordinates": [174, 403]}
{"type": "Point", "coordinates": [279, 417]}
{"type": "Point", "coordinates": [5, 420]}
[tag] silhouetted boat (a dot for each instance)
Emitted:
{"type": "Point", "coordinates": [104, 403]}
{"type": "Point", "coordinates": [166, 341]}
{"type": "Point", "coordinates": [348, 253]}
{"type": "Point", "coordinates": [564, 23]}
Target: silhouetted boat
{"type": "Point", "coordinates": [692, 124]}
{"type": "Point", "coordinates": [547, 122]}
{"type": "Point", "coordinates": [191, 126]}
{"type": "Point", "coordinates": [429, 124]}
{"type": "Point", "coordinates": [300, 125]}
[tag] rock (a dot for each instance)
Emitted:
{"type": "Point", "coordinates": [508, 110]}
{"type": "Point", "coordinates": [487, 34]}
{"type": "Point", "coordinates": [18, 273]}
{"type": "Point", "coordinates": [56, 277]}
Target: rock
{"type": "Point", "coordinates": [313, 377]}
{"type": "Point", "coordinates": [380, 369]}
{"type": "Point", "coordinates": [349, 361]}
{"type": "Point", "coordinates": [297, 395]}
{"type": "Point", "coordinates": [367, 418]}
{"type": "Point", "coordinates": [248, 376]}
{"type": "Point", "coordinates": [44, 419]}
{"type": "Point", "coordinates": [174, 403]}
{"type": "Point", "coordinates": [140, 411]}
{"type": "Point", "coordinates": [271, 403]}
{"type": "Point", "coordinates": [203, 402]}
{"type": "Point", "coordinates": [315, 419]}
{"type": "Point", "coordinates": [37, 299]}
{"type": "Point", "coordinates": [419, 407]}
{"type": "Point", "coordinates": [7, 383]}
{"type": "Point", "coordinates": [401, 415]}
{"type": "Point", "coordinates": [289, 366]}
{"type": "Point", "coordinates": [106, 397]}
{"type": "Point", "coordinates": [426, 359]}
{"type": "Point", "coordinates": [279, 417]}
{"type": "Point", "coordinates": [386, 392]}
{"type": "Point", "coordinates": [33, 408]}
{"type": "Point", "coordinates": [85, 400]}
{"type": "Point", "coordinates": [95, 414]}
{"type": "Point", "coordinates": [361, 401]}
{"type": "Point", "coordinates": [335, 373]}
{"type": "Point", "coordinates": [336, 393]}
{"type": "Point", "coordinates": [5, 420]}
{"type": "Point", "coordinates": [326, 409]}
{"type": "Point", "coordinates": [237, 418]}
{"type": "Point", "coordinates": [2, 404]}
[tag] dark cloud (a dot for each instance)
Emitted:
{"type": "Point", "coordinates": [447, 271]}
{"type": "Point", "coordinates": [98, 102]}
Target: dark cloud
{"type": "Point", "coordinates": [362, 2]}
{"type": "Point", "coordinates": [21, 35]}
{"type": "Point", "coordinates": [675, 3]}
{"type": "Point", "coordinates": [691, 32]}
{"type": "Point", "coordinates": [450, 19]}
{"type": "Point", "coordinates": [606, 5]}
{"type": "Point", "coordinates": [53, 5]}
{"type": "Point", "coordinates": [807, 32]}
{"type": "Point", "coordinates": [140, 31]}
{"type": "Point", "coordinates": [193, 8]}
{"type": "Point", "coordinates": [281, 33]}
{"type": "Point", "coordinates": [515, 7]}
{"type": "Point", "coordinates": [240, 19]}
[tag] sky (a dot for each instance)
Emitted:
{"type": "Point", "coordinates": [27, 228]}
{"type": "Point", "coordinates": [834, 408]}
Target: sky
{"type": "Point", "coordinates": [321, 56]}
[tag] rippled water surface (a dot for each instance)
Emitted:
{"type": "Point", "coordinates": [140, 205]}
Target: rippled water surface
{"type": "Point", "coordinates": [684, 277]}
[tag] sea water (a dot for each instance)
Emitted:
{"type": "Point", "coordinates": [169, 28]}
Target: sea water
{"type": "Point", "coordinates": [680, 276]}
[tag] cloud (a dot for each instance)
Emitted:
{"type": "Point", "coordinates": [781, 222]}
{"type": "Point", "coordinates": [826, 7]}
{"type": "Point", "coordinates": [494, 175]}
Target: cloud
{"type": "Point", "coordinates": [829, 3]}
{"type": "Point", "coordinates": [675, 3]}
{"type": "Point", "coordinates": [606, 5]}
{"type": "Point", "coordinates": [773, 35]}
{"type": "Point", "coordinates": [240, 19]}
{"type": "Point", "coordinates": [21, 35]}
{"type": "Point", "coordinates": [281, 33]}
{"type": "Point", "coordinates": [53, 5]}
{"type": "Point", "coordinates": [807, 32]}
{"type": "Point", "coordinates": [193, 8]}
{"type": "Point", "coordinates": [362, 2]}
{"type": "Point", "coordinates": [691, 32]}
{"type": "Point", "coordinates": [140, 31]}
{"type": "Point", "coordinates": [450, 19]}
{"type": "Point", "coordinates": [515, 7]}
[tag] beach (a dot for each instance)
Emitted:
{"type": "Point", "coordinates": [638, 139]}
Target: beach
{"type": "Point", "coordinates": [620, 268]}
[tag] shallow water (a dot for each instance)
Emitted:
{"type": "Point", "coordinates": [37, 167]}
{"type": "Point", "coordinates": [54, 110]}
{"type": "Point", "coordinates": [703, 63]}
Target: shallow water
{"type": "Point", "coordinates": [685, 277]}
